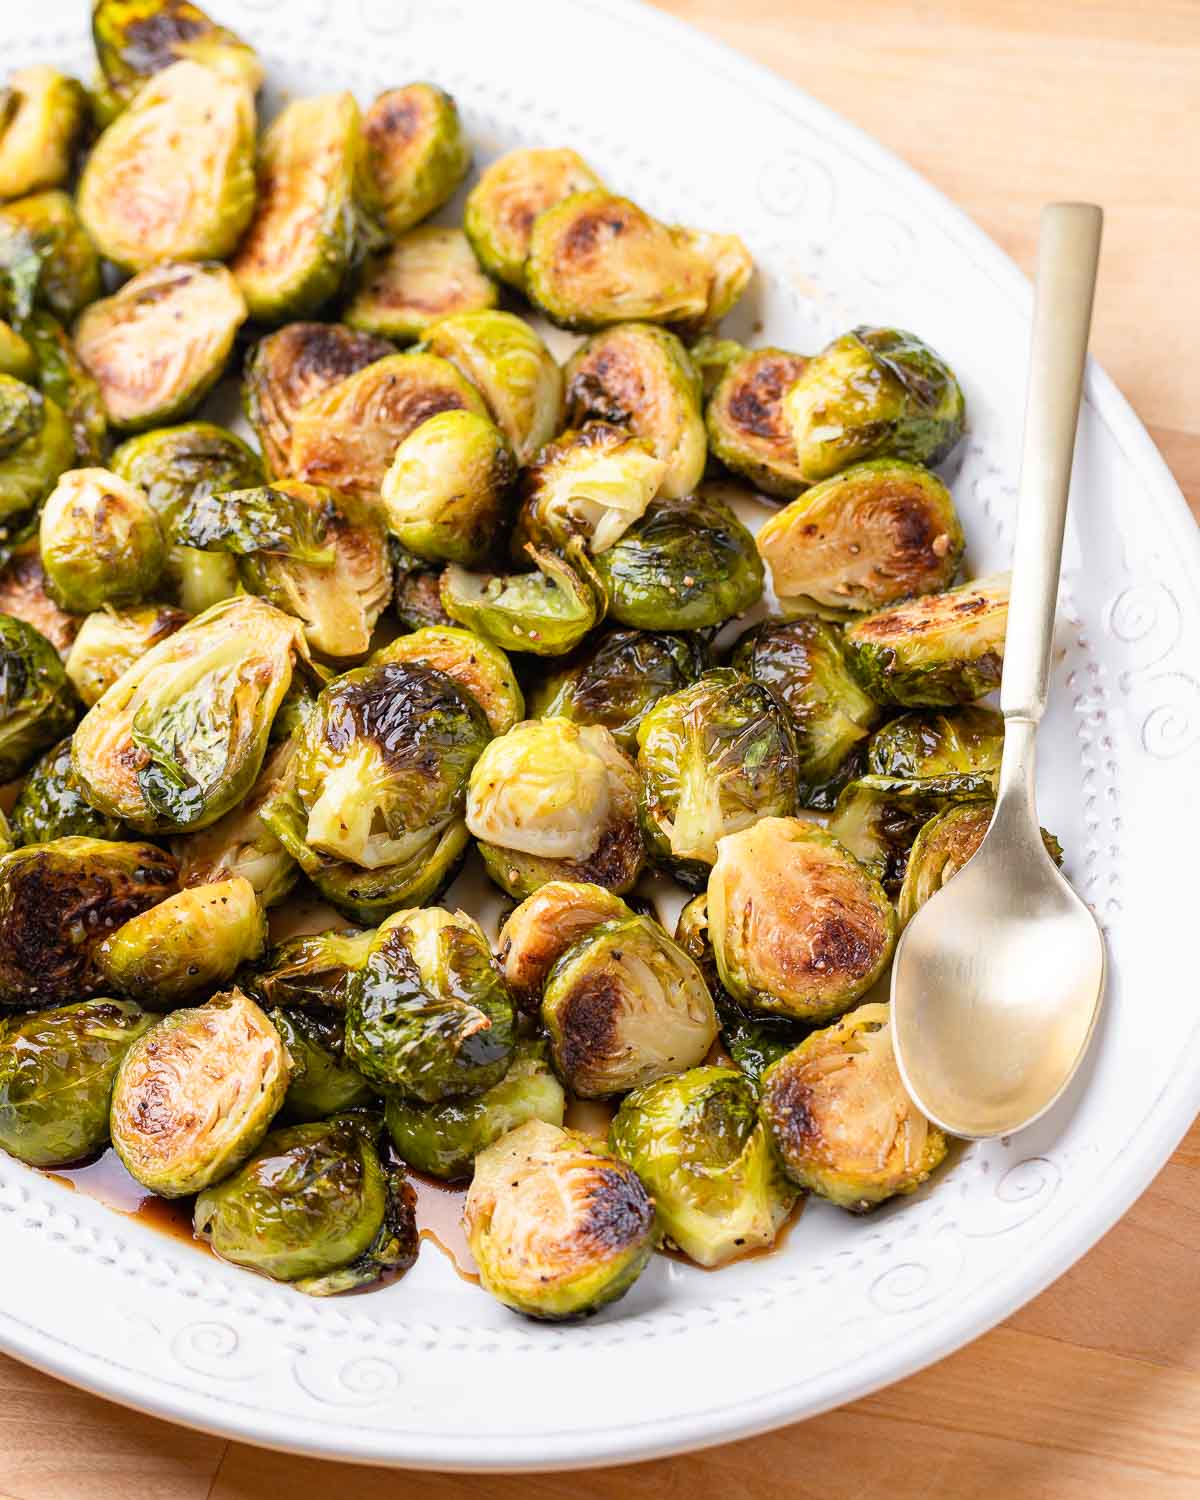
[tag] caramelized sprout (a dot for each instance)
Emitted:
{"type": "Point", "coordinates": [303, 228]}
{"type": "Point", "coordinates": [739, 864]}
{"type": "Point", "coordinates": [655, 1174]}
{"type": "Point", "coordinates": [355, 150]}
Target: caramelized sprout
{"type": "Point", "coordinates": [23, 595]}
{"type": "Point", "coordinates": [42, 117]}
{"type": "Point", "coordinates": [509, 196]}
{"type": "Point", "coordinates": [878, 817]}
{"type": "Point", "coordinates": [100, 541]}
{"type": "Point", "coordinates": [37, 706]}
{"type": "Point", "coordinates": [46, 257]}
{"type": "Point", "coordinates": [729, 266]}
{"type": "Point", "coordinates": [747, 428]}
{"type": "Point", "coordinates": [63, 377]}
{"type": "Point", "coordinates": [544, 926]}
{"type": "Point", "coordinates": [428, 274]}
{"type": "Point", "coordinates": [110, 641]}
{"type": "Point", "coordinates": [545, 613]}
{"type": "Point", "coordinates": [479, 668]}
{"type": "Point", "coordinates": [36, 446]}
{"type": "Point", "coordinates": [315, 970]}
{"type": "Point", "coordinates": [52, 806]}
{"type": "Point", "coordinates": [136, 39]}
{"type": "Point", "coordinates": [417, 153]}
{"type": "Point", "coordinates": [963, 741]}
{"type": "Point", "coordinates": [322, 1083]}
{"type": "Point", "coordinates": [593, 484]}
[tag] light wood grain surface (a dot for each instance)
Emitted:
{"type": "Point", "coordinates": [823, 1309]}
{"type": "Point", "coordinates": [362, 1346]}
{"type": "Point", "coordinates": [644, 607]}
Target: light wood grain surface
{"type": "Point", "coordinates": [1092, 1392]}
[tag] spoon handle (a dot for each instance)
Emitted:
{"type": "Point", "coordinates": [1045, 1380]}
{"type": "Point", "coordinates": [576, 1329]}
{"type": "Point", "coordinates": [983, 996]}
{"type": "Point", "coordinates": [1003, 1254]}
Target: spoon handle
{"type": "Point", "coordinates": [1068, 251]}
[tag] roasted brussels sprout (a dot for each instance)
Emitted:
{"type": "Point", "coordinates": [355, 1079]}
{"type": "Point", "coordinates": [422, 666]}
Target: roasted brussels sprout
{"type": "Point", "coordinates": [479, 668]}
{"type": "Point", "coordinates": [552, 800]}
{"type": "Point", "coordinates": [180, 737]}
{"type": "Point", "coordinates": [557, 1224]}
{"type": "Point", "coordinates": [625, 1005]}
{"type": "Point", "coordinates": [36, 446]}
{"type": "Point", "coordinates": [686, 565]}
{"type": "Point", "coordinates": [23, 595]}
{"type": "Point", "coordinates": [416, 591]}
{"type": "Point", "coordinates": [428, 274]}
{"type": "Point", "coordinates": [52, 806]}
{"type": "Point", "coordinates": [46, 257]}
{"type": "Point", "coordinates": [878, 817]}
{"type": "Point", "coordinates": [427, 1012]}
{"type": "Point", "coordinates": [417, 153]}
{"type": "Point", "coordinates": [313, 970]}
{"type": "Point", "coordinates": [873, 393]}
{"type": "Point", "coordinates": [702, 1153]}
{"type": "Point", "coordinates": [445, 495]}
{"type": "Point", "coordinates": [715, 757]}
{"type": "Point", "coordinates": [56, 1078]}
{"type": "Point", "coordinates": [545, 613]}
{"type": "Point", "coordinates": [157, 347]}
{"type": "Point", "coordinates": [195, 1094]}
{"type": "Point", "coordinates": [322, 1082]}
{"type": "Point", "coordinates": [62, 376]}
{"type": "Point", "coordinates": [799, 928]}
{"type": "Point", "coordinates": [841, 1120]}
{"type": "Point", "coordinates": [544, 926]}
{"type": "Point", "coordinates": [935, 651]}
{"type": "Point", "coordinates": [100, 541]}
{"type": "Point", "coordinates": [36, 704]}
{"type": "Point", "coordinates": [510, 194]}
{"type": "Point", "coordinates": [110, 641]}
{"type": "Point", "coordinates": [729, 266]}
{"type": "Point", "coordinates": [16, 355]}
{"type": "Point", "coordinates": [747, 429]}
{"type": "Point", "coordinates": [593, 484]}
{"type": "Point", "coordinates": [938, 744]}
{"type": "Point", "coordinates": [58, 900]}
{"type": "Point", "coordinates": [135, 39]}
{"type": "Point", "coordinates": [42, 117]}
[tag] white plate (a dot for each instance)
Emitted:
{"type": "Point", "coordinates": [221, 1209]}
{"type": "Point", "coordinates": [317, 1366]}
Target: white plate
{"type": "Point", "coordinates": [432, 1372]}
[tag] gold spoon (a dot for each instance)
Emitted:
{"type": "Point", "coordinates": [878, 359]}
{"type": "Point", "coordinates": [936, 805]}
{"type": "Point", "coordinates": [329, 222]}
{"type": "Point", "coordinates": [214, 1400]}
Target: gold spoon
{"type": "Point", "coordinates": [998, 978]}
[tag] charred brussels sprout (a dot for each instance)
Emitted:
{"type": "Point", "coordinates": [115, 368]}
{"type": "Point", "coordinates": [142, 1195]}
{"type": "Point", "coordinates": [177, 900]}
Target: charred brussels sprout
{"type": "Point", "coordinates": [445, 495]}
{"type": "Point", "coordinates": [625, 1005]}
{"type": "Point", "coordinates": [697, 1144]}
{"type": "Point", "coordinates": [944, 844]}
{"type": "Point", "coordinates": [63, 376]}
{"type": "Point", "coordinates": [938, 744]}
{"type": "Point", "coordinates": [17, 357]}
{"type": "Point", "coordinates": [100, 541]}
{"type": "Point", "coordinates": [479, 668]}
{"type": "Point", "coordinates": [747, 428]}
{"type": "Point", "coordinates": [593, 484]}
{"type": "Point", "coordinates": [135, 39]}
{"type": "Point", "coordinates": [729, 267]}
{"type": "Point", "coordinates": [935, 651]}
{"type": "Point", "coordinates": [36, 446]}
{"type": "Point", "coordinates": [56, 1079]}
{"type": "Point", "coordinates": [546, 613]}
{"type": "Point", "coordinates": [58, 900]}
{"type": "Point", "coordinates": [428, 274]}
{"type": "Point", "coordinates": [444, 1139]}
{"type": "Point", "coordinates": [416, 153]}
{"type": "Point", "coordinates": [544, 926]}
{"type": "Point", "coordinates": [159, 345]}
{"type": "Point", "coordinates": [46, 257]}
{"type": "Point", "coordinates": [195, 1094]}
{"type": "Point", "coordinates": [427, 1013]}
{"type": "Point", "coordinates": [110, 641]}
{"type": "Point", "coordinates": [416, 591]}
{"type": "Point", "coordinates": [552, 800]}
{"type": "Point", "coordinates": [322, 1083]}
{"type": "Point", "coordinates": [510, 194]}
{"type": "Point", "coordinates": [52, 806]}
{"type": "Point", "coordinates": [557, 1224]}
{"type": "Point", "coordinates": [873, 393]}
{"type": "Point", "coordinates": [314, 970]}
{"type": "Point", "coordinates": [799, 928]}
{"type": "Point", "coordinates": [42, 117]}
{"type": "Point", "coordinates": [715, 757]}
{"type": "Point", "coordinates": [878, 817]}
{"type": "Point", "coordinates": [36, 704]}
{"type": "Point", "coordinates": [23, 595]}
{"type": "Point", "coordinates": [840, 1119]}
{"type": "Point", "coordinates": [686, 565]}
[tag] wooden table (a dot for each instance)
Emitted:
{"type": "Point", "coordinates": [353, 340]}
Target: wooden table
{"type": "Point", "coordinates": [1093, 1391]}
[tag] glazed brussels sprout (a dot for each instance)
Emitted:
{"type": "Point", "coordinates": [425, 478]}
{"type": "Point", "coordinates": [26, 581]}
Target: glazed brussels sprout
{"type": "Point", "coordinates": [799, 928]}
{"type": "Point", "coordinates": [686, 565]}
{"type": "Point", "coordinates": [593, 484]}
{"type": "Point", "coordinates": [552, 800]}
{"type": "Point", "coordinates": [510, 366]}
{"type": "Point", "coordinates": [110, 641]}
{"type": "Point", "coordinates": [444, 1139]}
{"type": "Point", "coordinates": [625, 1005]}
{"type": "Point", "coordinates": [46, 257]}
{"type": "Point", "coordinates": [510, 194]}
{"type": "Point", "coordinates": [23, 595]}
{"type": "Point", "coordinates": [428, 274]}
{"type": "Point", "coordinates": [315, 970]}
{"type": "Point", "coordinates": [935, 651]}
{"type": "Point", "coordinates": [558, 1226]}
{"type": "Point", "coordinates": [715, 757]}
{"type": "Point", "coordinates": [56, 1078]}
{"type": "Point", "coordinates": [729, 267]}
{"type": "Point", "coordinates": [159, 345]}
{"type": "Point", "coordinates": [62, 376]}
{"type": "Point", "coordinates": [58, 900]}
{"type": "Point", "coordinates": [321, 1082]}
{"type": "Point", "coordinates": [16, 355]}
{"type": "Point", "coordinates": [445, 495]}
{"type": "Point", "coordinates": [36, 704]}
{"type": "Point", "coordinates": [427, 1013]}
{"type": "Point", "coordinates": [36, 446]}
{"type": "Point", "coordinates": [873, 393]}
{"type": "Point", "coordinates": [479, 668]}
{"type": "Point", "coordinates": [172, 179]}
{"type": "Point", "coordinates": [195, 1094]}
{"type": "Point", "coordinates": [747, 428]}
{"type": "Point", "coordinates": [191, 942]}
{"type": "Point", "coordinates": [545, 613]}
{"type": "Point", "coordinates": [417, 153]}
{"type": "Point", "coordinates": [876, 533]}
{"type": "Point", "coordinates": [42, 117]}
{"type": "Point", "coordinates": [878, 817]}
{"type": "Point", "coordinates": [416, 591]}
{"type": "Point", "coordinates": [180, 737]}
{"type": "Point", "coordinates": [642, 378]}
{"type": "Point", "coordinates": [702, 1153]}
{"type": "Point", "coordinates": [803, 662]}
{"type": "Point", "coordinates": [100, 541]}
{"type": "Point", "coordinates": [617, 679]}
{"type": "Point", "coordinates": [840, 1119]}
{"type": "Point", "coordinates": [938, 744]}
{"type": "Point", "coordinates": [544, 926]}
{"type": "Point", "coordinates": [51, 805]}
{"type": "Point", "coordinates": [135, 39]}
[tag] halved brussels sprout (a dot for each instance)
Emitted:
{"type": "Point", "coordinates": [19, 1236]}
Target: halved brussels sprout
{"type": "Point", "coordinates": [686, 565]}
{"type": "Point", "coordinates": [46, 257]}
{"type": "Point", "coordinates": [445, 495]}
{"type": "Point", "coordinates": [195, 1094]}
{"type": "Point", "coordinates": [23, 595]}
{"type": "Point", "coordinates": [417, 153]}
{"type": "Point", "coordinates": [313, 970]}
{"type": "Point", "coordinates": [110, 641]}
{"type": "Point", "coordinates": [479, 668]}
{"type": "Point", "coordinates": [617, 679]}
{"type": "Point", "coordinates": [42, 117]}
{"type": "Point", "coordinates": [37, 706]}
{"type": "Point", "coordinates": [596, 259]}
{"type": "Point", "coordinates": [841, 1121]}
{"type": "Point", "coordinates": [873, 393]}
{"type": "Point", "coordinates": [593, 483]}
{"type": "Point", "coordinates": [552, 800]}
{"type": "Point", "coordinates": [544, 926]}
{"type": "Point", "coordinates": [52, 806]}
{"type": "Point", "coordinates": [799, 928]}
{"type": "Point", "coordinates": [747, 428]}
{"type": "Point", "coordinates": [624, 1005]}
{"type": "Point", "coordinates": [417, 591]}
{"type": "Point", "coordinates": [159, 345]}
{"type": "Point", "coordinates": [729, 266]}
{"type": "Point", "coordinates": [16, 356]}
{"type": "Point", "coordinates": [427, 1013]}
{"type": "Point", "coordinates": [347, 436]}
{"type": "Point", "coordinates": [697, 1144]}
{"type": "Point", "coordinates": [172, 178]}
{"type": "Point", "coordinates": [322, 1083]}
{"type": "Point", "coordinates": [715, 757]}
{"type": "Point", "coordinates": [195, 940]}
{"type": "Point", "coordinates": [510, 194]}
{"type": "Point", "coordinates": [58, 900]}
{"type": "Point", "coordinates": [878, 817]}
{"type": "Point", "coordinates": [100, 541]}
{"type": "Point", "coordinates": [428, 274]}
{"type": "Point", "coordinates": [506, 360]}
{"type": "Point", "coordinates": [56, 1078]}
{"type": "Point", "coordinates": [62, 376]}
{"type": "Point", "coordinates": [36, 446]}
{"type": "Point", "coordinates": [803, 662]}
{"type": "Point", "coordinates": [135, 39]}
{"type": "Point", "coordinates": [180, 737]}
{"type": "Point", "coordinates": [558, 1226]}
{"type": "Point", "coordinates": [938, 744]}
{"type": "Point", "coordinates": [935, 651]}
{"type": "Point", "coordinates": [642, 378]}
{"type": "Point", "coordinates": [546, 613]}
{"type": "Point", "coordinates": [444, 1139]}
